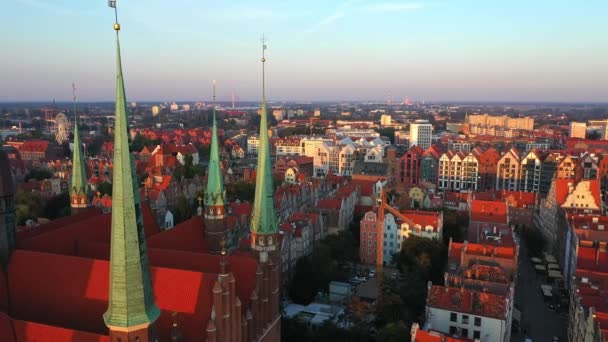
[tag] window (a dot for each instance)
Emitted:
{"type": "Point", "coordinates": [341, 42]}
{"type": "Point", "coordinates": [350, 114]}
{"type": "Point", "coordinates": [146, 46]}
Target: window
{"type": "Point", "coordinates": [476, 335]}
{"type": "Point", "coordinates": [453, 330]}
{"type": "Point", "coordinates": [477, 321]}
{"type": "Point", "coordinates": [465, 319]}
{"type": "Point", "coordinates": [453, 317]}
{"type": "Point", "coordinates": [464, 332]}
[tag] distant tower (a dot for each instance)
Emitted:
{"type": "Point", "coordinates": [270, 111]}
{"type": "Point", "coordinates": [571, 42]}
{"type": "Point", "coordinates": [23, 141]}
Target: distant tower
{"type": "Point", "coordinates": [7, 210]}
{"type": "Point", "coordinates": [131, 312]}
{"type": "Point", "coordinates": [215, 195]}
{"type": "Point", "coordinates": [264, 231]}
{"type": "Point", "coordinates": [78, 183]}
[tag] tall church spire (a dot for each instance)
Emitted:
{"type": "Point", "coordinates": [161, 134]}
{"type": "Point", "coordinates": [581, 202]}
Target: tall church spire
{"type": "Point", "coordinates": [215, 195]}
{"type": "Point", "coordinates": [7, 210]}
{"type": "Point", "coordinates": [264, 228]}
{"type": "Point", "coordinates": [78, 183]}
{"type": "Point", "coordinates": [131, 309]}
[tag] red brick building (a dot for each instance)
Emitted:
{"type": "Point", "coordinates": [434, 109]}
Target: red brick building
{"type": "Point", "coordinates": [409, 167]}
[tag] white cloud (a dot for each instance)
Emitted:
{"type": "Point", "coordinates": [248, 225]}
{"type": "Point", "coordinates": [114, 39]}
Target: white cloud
{"type": "Point", "coordinates": [327, 21]}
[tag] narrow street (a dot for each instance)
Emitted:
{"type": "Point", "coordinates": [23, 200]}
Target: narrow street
{"type": "Point", "coordinates": [541, 324]}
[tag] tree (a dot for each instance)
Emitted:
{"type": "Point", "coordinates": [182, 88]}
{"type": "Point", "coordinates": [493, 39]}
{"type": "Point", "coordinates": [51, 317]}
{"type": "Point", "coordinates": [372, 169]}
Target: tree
{"type": "Point", "coordinates": [28, 206]}
{"type": "Point", "coordinates": [138, 142]}
{"type": "Point", "coordinates": [394, 332]}
{"type": "Point", "coordinates": [343, 247]}
{"type": "Point", "coordinates": [240, 190]}
{"type": "Point", "coordinates": [94, 145]}
{"type": "Point", "coordinates": [183, 210]}
{"type": "Point", "coordinates": [104, 188]}
{"type": "Point", "coordinates": [303, 287]}
{"type": "Point", "coordinates": [57, 206]}
{"type": "Point", "coordinates": [454, 226]}
{"type": "Point", "coordinates": [387, 132]}
{"type": "Point", "coordinates": [594, 135]}
{"type": "Point", "coordinates": [424, 255]}
{"type": "Point", "coordinates": [38, 174]}
{"type": "Point", "coordinates": [294, 330]}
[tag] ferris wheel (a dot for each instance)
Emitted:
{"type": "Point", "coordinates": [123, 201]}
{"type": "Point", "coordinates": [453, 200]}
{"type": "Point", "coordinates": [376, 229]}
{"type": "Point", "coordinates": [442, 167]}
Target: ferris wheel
{"type": "Point", "coordinates": [62, 128]}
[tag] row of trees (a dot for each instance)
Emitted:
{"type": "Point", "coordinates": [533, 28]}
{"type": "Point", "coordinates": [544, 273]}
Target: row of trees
{"type": "Point", "coordinates": [29, 206]}
{"type": "Point", "coordinates": [329, 261]}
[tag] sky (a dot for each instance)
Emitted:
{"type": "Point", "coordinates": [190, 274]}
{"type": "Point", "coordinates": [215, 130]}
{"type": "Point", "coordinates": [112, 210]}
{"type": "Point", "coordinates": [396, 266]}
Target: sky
{"type": "Point", "coordinates": [318, 50]}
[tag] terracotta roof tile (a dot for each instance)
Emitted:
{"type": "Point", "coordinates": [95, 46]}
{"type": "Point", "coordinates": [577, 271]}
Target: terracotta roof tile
{"type": "Point", "coordinates": [467, 301]}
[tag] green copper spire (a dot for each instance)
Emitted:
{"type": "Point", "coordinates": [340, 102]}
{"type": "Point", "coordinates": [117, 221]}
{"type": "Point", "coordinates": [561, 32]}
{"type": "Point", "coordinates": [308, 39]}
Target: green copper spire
{"type": "Point", "coordinates": [264, 220]}
{"type": "Point", "coordinates": [78, 182]}
{"type": "Point", "coordinates": [131, 300]}
{"type": "Point", "coordinates": [215, 194]}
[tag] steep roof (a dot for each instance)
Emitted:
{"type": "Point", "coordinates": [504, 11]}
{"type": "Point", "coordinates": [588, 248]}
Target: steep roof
{"type": "Point", "coordinates": [215, 195]}
{"type": "Point", "coordinates": [263, 217]}
{"type": "Point", "coordinates": [78, 180]}
{"type": "Point", "coordinates": [78, 298]}
{"type": "Point", "coordinates": [467, 301]}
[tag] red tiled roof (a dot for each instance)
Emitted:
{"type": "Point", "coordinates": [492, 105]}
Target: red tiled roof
{"type": "Point", "coordinates": [34, 146]}
{"type": "Point", "coordinates": [186, 236]}
{"type": "Point", "coordinates": [456, 249]}
{"type": "Point", "coordinates": [467, 301]}
{"type": "Point", "coordinates": [30, 331]}
{"type": "Point", "coordinates": [242, 265]}
{"type": "Point", "coordinates": [423, 218]}
{"type": "Point", "coordinates": [366, 187]}
{"type": "Point", "coordinates": [488, 211]}
{"type": "Point", "coordinates": [433, 336]}
{"type": "Point", "coordinates": [56, 224]}
{"type": "Point", "coordinates": [97, 228]}
{"type": "Point", "coordinates": [77, 299]}
{"type": "Point", "coordinates": [241, 209]}
{"type": "Point", "coordinates": [586, 259]}
{"type": "Point", "coordinates": [329, 204]}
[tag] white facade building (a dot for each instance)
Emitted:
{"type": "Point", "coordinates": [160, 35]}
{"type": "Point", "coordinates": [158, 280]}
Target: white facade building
{"type": "Point", "coordinates": [578, 129]}
{"type": "Point", "coordinates": [253, 144]}
{"type": "Point", "coordinates": [421, 133]}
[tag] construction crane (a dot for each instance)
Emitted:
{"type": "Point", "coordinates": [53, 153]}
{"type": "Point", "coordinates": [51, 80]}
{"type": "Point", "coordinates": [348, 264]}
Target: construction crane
{"type": "Point", "coordinates": [383, 205]}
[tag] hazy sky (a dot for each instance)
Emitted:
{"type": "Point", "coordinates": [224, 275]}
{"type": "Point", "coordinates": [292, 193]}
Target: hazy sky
{"type": "Point", "coordinates": [503, 50]}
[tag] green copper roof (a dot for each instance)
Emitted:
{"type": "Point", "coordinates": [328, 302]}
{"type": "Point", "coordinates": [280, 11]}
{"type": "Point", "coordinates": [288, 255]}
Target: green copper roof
{"type": "Point", "coordinates": [214, 194]}
{"type": "Point", "coordinates": [131, 300]}
{"type": "Point", "coordinates": [264, 220]}
{"type": "Point", "coordinates": [78, 182]}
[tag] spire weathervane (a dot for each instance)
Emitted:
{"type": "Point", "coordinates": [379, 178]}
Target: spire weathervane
{"type": "Point", "coordinates": [264, 47]}
{"type": "Point", "coordinates": [74, 102]}
{"type": "Point", "coordinates": [112, 4]}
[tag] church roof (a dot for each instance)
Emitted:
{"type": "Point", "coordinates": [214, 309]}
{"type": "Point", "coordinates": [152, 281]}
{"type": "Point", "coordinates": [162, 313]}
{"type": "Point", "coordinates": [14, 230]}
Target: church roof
{"type": "Point", "coordinates": [78, 298]}
{"type": "Point", "coordinates": [263, 219]}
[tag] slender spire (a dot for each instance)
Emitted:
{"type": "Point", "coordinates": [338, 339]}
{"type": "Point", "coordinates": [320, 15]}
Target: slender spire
{"type": "Point", "coordinates": [78, 182]}
{"type": "Point", "coordinates": [215, 194]}
{"type": "Point", "coordinates": [264, 221]}
{"type": "Point", "coordinates": [131, 300]}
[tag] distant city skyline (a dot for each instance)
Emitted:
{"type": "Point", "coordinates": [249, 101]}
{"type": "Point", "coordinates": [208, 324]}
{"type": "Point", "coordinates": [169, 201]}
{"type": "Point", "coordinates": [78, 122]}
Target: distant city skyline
{"type": "Point", "coordinates": [434, 51]}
